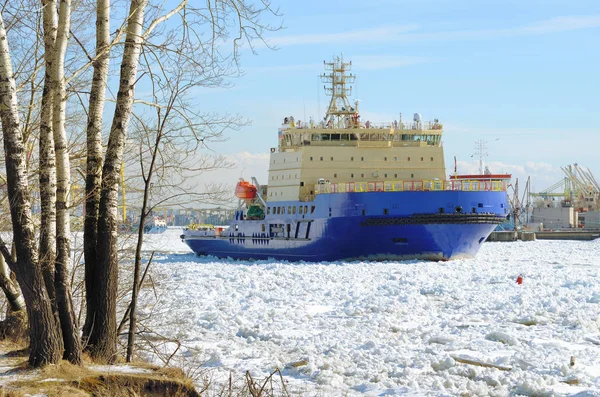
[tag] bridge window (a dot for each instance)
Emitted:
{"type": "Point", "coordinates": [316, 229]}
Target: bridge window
{"type": "Point", "coordinates": [294, 210]}
{"type": "Point", "coordinates": [312, 209]}
{"type": "Point", "coordinates": [311, 158]}
{"type": "Point", "coordinates": [395, 175]}
{"type": "Point", "coordinates": [351, 175]}
{"type": "Point", "coordinates": [268, 210]}
{"type": "Point", "coordinates": [421, 158]}
{"type": "Point", "coordinates": [432, 159]}
{"type": "Point", "coordinates": [332, 159]}
{"type": "Point", "coordinates": [385, 159]}
{"type": "Point", "coordinates": [335, 175]}
{"type": "Point", "coordinates": [362, 175]}
{"type": "Point", "coordinates": [321, 158]}
{"type": "Point", "coordinates": [395, 158]}
{"type": "Point", "coordinates": [409, 159]}
{"type": "Point", "coordinates": [412, 175]}
{"type": "Point", "coordinates": [385, 175]}
{"type": "Point", "coordinates": [351, 158]}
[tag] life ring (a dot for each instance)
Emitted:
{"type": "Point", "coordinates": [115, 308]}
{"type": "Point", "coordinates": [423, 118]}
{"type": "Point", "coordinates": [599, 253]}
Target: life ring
{"type": "Point", "coordinates": [272, 150]}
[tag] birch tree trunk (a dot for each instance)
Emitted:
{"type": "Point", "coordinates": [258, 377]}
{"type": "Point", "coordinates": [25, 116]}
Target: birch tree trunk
{"type": "Point", "coordinates": [13, 295]}
{"type": "Point", "coordinates": [47, 175]}
{"type": "Point", "coordinates": [102, 343]}
{"type": "Point", "coordinates": [45, 346]}
{"type": "Point", "coordinates": [94, 158]}
{"type": "Point", "coordinates": [68, 321]}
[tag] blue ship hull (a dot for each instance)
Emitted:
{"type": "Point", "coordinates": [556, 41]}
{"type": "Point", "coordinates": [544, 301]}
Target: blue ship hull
{"type": "Point", "coordinates": [432, 225]}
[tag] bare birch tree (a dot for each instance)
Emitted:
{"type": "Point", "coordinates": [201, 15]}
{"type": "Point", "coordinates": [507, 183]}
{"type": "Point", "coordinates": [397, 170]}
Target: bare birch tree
{"type": "Point", "coordinates": [94, 156]}
{"type": "Point", "coordinates": [64, 301]}
{"type": "Point", "coordinates": [102, 342]}
{"type": "Point", "coordinates": [45, 346]}
{"type": "Point", "coordinates": [47, 160]}
{"type": "Point", "coordinates": [217, 17]}
{"type": "Point", "coordinates": [173, 131]}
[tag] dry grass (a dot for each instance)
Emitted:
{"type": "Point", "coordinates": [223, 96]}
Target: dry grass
{"type": "Point", "coordinates": [65, 379]}
{"type": "Point", "coordinates": [10, 393]}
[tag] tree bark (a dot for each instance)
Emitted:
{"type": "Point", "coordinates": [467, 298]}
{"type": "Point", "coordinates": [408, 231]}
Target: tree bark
{"type": "Point", "coordinates": [102, 343]}
{"type": "Point", "coordinates": [94, 158]}
{"type": "Point", "coordinates": [47, 175]}
{"type": "Point", "coordinates": [13, 295]}
{"type": "Point", "coordinates": [64, 300]}
{"type": "Point", "coordinates": [45, 347]}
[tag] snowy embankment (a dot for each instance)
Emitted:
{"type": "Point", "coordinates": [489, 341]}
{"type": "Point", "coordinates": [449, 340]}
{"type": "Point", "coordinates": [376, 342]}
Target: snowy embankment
{"type": "Point", "coordinates": [391, 328]}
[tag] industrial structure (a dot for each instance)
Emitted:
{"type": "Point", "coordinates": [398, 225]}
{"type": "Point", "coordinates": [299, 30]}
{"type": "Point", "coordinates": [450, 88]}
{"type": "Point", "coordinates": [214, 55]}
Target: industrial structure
{"type": "Point", "coordinates": [573, 202]}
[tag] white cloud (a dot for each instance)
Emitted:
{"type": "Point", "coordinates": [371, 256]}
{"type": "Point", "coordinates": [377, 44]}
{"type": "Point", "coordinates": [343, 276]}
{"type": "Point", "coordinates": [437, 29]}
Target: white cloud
{"type": "Point", "coordinates": [386, 33]}
{"type": "Point", "coordinates": [563, 24]}
{"type": "Point", "coordinates": [249, 158]}
{"type": "Point", "coordinates": [381, 33]}
{"type": "Point", "coordinates": [380, 62]}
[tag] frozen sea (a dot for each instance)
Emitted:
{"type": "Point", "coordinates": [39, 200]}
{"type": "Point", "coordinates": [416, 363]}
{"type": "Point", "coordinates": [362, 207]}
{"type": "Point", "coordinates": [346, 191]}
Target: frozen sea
{"type": "Point", "coordinates": [390, 328]}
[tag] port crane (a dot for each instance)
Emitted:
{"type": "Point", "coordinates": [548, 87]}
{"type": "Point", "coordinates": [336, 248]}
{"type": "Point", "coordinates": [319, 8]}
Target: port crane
{"type": "Point", "coordinates": [579, 188]}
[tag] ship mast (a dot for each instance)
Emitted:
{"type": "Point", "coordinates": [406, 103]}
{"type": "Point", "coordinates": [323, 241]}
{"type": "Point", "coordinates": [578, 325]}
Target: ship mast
{"type": "Point", "coordinates": [340, 114]}
{"type": "Point", "coordinates": [481, 147]}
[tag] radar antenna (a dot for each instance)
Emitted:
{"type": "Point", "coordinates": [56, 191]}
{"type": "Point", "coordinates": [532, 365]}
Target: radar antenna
{"type": "Point", "coordinates": [340, 114]}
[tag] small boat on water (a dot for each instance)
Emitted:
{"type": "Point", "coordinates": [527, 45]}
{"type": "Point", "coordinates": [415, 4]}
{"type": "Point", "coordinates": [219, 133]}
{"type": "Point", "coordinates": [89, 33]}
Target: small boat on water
{"type": "Point", "coordinates": [348, 189]}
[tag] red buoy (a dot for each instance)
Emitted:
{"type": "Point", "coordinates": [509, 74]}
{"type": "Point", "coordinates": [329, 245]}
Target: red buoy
{"type": "Point", "coordinates": [245, 190]}
{"type": "Point", "coordinates": [520, 279]}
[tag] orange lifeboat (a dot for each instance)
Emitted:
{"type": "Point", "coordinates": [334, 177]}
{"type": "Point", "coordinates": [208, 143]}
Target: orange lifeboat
{"type": "Point", "coordinates": [245, 190]}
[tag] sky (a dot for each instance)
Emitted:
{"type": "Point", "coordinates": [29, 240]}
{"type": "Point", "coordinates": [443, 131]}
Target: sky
{"type": "Point", "coordinates": [522, 75]}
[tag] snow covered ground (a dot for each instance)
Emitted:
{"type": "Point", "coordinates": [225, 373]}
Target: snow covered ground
{"type": "Point", "coordinates": [391, 328]}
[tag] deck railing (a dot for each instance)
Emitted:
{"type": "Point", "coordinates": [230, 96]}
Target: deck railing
{"type": "Point", "coordinates": [407, 186]}
{"type": "Point", "coordinates": [403, 126]}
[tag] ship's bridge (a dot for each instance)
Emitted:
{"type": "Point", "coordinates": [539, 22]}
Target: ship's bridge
{"type": "Point", "coordinates": [361, 134]}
